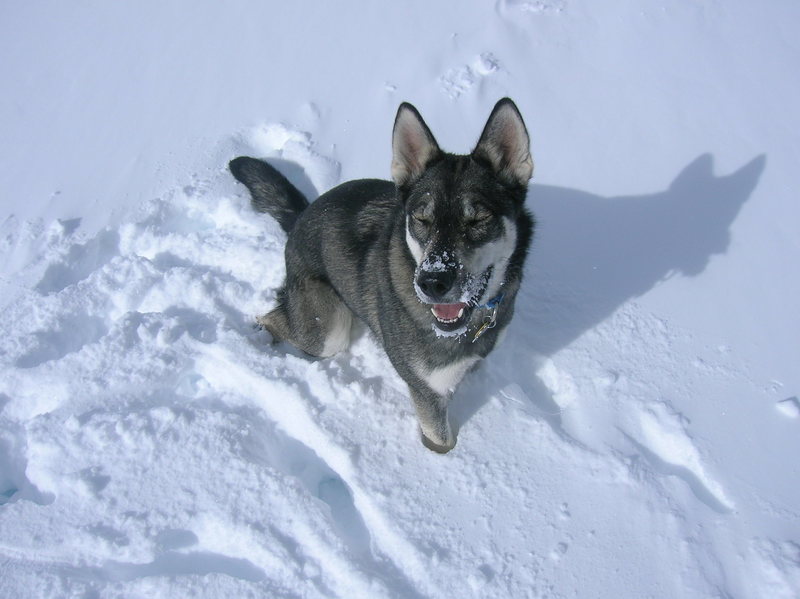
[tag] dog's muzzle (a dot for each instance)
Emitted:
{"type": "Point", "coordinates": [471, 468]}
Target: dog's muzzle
{"type": "Point", "coordinates": [437, 288]}
{"type": "Point", "coordinates": [452, 298]}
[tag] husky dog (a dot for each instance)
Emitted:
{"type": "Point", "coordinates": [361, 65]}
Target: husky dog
{"type": "Point", "coordinates": [431, 262]}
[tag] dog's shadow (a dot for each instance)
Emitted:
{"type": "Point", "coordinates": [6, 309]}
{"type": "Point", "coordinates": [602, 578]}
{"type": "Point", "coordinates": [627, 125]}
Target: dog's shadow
{"type": "Point", "coordinates": [592, 254]}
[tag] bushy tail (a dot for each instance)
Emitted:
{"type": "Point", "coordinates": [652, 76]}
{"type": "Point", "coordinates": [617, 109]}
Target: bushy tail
{"type": "Point", "coordinates": [271, 192]}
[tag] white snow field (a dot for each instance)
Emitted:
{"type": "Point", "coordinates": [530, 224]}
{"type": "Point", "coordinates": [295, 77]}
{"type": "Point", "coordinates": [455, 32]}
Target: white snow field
{"type": "Point", "coordinates": [636, 435]}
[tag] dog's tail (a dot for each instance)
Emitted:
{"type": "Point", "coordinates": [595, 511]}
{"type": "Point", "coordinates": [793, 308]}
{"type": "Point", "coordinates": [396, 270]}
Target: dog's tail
{"type": "Point", "coordinates": [270, 191]}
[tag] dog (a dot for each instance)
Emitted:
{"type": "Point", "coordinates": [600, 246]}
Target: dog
{"type": "Point", "coordinates": [431, 261]}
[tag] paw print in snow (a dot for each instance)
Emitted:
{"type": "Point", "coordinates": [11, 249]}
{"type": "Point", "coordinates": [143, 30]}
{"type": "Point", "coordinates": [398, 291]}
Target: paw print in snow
{"type": "Point", "coordinates": [458, 81]}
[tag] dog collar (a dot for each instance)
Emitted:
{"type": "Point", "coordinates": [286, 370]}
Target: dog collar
{"type": "Point", "coordinates": [489, 321]}
{"type": "Point", "coordinates": [494, 302]}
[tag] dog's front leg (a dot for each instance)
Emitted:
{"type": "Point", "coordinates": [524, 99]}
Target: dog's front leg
{"type": "Point", "coordinates": [431, 411]}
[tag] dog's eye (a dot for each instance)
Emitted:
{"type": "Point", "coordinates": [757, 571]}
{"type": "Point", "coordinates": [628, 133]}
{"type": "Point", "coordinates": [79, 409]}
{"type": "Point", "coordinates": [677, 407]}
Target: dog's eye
{"type": "Point", "coordinates": [421, 219]}
{"type": "Point", "coordinates": [479, 218]}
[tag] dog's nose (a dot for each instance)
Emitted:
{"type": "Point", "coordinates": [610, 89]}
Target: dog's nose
{"type": "Point", "coordinates": [436, 284]}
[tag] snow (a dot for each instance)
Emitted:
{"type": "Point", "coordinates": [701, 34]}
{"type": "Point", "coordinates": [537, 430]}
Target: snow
{"type": "Point", "coordinates": [636, 433]}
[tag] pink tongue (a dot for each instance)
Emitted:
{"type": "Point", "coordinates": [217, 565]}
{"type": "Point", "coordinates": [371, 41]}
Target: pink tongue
{"type": "Point", "coordinates": [447, 311]}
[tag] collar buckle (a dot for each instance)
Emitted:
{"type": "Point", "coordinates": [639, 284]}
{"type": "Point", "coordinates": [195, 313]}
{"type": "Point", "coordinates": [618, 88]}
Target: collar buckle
{"type": "Point", "coordinates": [489, 321]}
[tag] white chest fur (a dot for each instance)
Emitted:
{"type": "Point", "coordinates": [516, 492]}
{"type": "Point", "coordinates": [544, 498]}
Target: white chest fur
{"type": "Point", "coordinates": [443, 380]}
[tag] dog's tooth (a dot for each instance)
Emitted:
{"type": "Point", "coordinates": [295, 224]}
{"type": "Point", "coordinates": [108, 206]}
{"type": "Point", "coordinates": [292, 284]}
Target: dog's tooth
{"type": "Point", "coordinates": [460, 313]}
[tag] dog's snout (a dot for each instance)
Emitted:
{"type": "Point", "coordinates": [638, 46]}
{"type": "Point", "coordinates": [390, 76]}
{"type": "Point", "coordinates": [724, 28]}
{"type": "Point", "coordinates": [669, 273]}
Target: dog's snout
{"type": "Point", "coordinates": [436, 284]}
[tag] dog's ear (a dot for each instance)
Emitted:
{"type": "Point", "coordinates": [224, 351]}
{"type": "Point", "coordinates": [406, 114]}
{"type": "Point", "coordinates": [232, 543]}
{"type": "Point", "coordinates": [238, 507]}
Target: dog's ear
{"type": "Point", "coordinates": [413, 145]}
{"type": "Point", "coordinates": [505, 144]}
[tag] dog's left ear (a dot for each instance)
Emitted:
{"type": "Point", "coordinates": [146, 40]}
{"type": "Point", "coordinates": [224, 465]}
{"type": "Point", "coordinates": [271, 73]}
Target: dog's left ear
{"type": "Point", "coordinates": [505, 144]}
{"type": "Point", "coordinates": [413, 145]}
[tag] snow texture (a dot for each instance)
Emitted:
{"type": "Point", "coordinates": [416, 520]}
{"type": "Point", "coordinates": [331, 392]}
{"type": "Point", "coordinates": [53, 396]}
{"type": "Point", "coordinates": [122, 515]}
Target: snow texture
{"type": "Point", "coordinates": [636, 433]}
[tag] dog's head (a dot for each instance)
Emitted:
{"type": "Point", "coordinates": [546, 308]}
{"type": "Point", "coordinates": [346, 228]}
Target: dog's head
{"type": "Point", "coordinates": [462, 212]}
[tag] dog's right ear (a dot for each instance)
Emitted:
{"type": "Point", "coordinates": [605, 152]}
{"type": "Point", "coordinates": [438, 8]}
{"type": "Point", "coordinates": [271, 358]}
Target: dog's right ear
{"type": "Point", "coordinates": [413, 145]}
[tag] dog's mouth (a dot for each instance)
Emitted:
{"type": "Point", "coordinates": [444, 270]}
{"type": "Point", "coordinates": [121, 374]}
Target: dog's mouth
{"type": "Point", "coordinates": [450, 317]}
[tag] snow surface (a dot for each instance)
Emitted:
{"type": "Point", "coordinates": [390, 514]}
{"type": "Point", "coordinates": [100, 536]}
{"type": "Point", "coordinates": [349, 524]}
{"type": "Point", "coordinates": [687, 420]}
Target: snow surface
{"type": "Point", "coordinates": [636, 435]}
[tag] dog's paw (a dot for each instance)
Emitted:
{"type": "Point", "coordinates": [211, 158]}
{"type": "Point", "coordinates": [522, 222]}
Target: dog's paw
{"type": "Point", "coordinates": [433, 446]}
{"type": "Point", "coordinates": [262, 324]}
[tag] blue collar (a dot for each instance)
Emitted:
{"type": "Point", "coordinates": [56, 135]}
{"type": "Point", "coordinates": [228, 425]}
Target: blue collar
{"type": "Point", "coordinates": [494, 302]}
{"type": "Point", "coordinates": [490, 321]}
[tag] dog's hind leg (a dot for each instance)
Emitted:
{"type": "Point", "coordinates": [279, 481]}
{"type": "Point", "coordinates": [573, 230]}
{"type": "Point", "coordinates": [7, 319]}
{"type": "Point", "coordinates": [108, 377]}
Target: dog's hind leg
{"type": "Point", "coordinates": [311, 316]}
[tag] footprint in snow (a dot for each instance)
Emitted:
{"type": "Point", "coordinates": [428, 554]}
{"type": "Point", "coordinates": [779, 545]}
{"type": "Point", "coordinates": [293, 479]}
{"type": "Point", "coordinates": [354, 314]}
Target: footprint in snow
{"type": "Point", "coordinates": [68, 334]}
{"type": "Point", "coordinates": [79, 260]}
{"type": "Point", "coordinates": [535, 6]}
{"type": "Point", "coordinates": [559, 551]}
{"type": "Point", "coordinates": [458, 81]}
{"type": "Point", "coordinates": [772, 565]}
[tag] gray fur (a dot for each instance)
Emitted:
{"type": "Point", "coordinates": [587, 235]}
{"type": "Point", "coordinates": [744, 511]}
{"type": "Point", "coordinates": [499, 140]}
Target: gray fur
{"type": "Point", "coordinates": [450, 234]}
